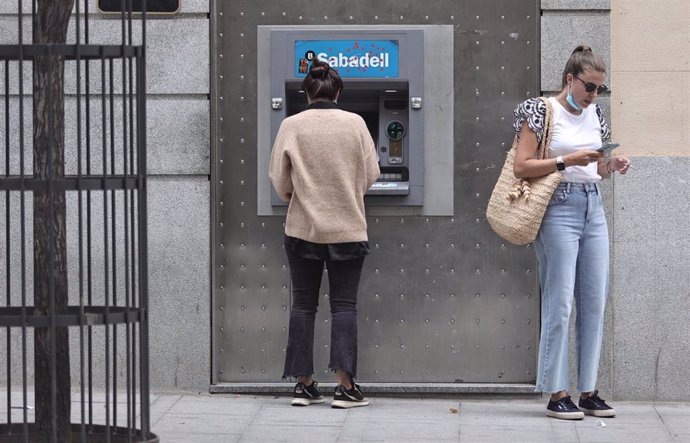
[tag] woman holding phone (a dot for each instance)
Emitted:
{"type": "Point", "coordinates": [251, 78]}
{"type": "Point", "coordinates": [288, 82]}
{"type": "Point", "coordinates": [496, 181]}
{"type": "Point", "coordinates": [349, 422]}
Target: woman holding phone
{"type": "Point", "coordinates": [572, 245]}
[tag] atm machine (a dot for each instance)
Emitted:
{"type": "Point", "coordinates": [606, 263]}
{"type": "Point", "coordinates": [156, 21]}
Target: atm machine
{"type": "Point", "coordinates": [383, 77]}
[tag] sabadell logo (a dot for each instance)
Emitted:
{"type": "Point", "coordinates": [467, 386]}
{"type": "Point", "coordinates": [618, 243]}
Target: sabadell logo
{"type": "Point", "coordinates": [355, 61]}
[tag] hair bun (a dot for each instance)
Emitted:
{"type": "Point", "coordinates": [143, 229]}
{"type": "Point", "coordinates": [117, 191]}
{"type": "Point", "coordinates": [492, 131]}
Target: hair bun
{"type": "Point", "coordinates": [583, 48]}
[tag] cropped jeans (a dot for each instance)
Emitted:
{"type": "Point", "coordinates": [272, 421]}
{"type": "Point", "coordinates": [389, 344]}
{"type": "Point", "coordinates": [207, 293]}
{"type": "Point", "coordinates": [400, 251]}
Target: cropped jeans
{"type": "Point", "coordinates": [343, 281]}
{"type": "Point", "coordinates": [573, 253]}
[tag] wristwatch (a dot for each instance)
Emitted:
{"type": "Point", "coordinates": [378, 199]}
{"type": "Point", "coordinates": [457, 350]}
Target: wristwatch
{"type": "Point", "coordinates": [560, 164]}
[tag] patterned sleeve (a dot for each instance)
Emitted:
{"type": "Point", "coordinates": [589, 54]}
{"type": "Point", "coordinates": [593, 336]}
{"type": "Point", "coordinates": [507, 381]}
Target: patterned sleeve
{"type": "Point", "coordinates": [605, 130]}
{"type": "Point", "coordinates": [533, 111]}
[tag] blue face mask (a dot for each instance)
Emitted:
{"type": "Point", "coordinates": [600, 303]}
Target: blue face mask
{"type": "Point", "coordinates": [571, 101]}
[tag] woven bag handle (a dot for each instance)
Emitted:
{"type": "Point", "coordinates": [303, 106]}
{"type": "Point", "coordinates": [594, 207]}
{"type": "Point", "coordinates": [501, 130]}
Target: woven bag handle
{"type": "Point", "coordinates": [548, 129]}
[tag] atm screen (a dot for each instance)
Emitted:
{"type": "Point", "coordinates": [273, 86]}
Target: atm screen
{"type": "Point", "coordinates": [372, 121]}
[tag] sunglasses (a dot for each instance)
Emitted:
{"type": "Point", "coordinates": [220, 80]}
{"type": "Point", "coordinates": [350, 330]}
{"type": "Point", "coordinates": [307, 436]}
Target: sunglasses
{"type": "Point", "coordinates": [590, 87]}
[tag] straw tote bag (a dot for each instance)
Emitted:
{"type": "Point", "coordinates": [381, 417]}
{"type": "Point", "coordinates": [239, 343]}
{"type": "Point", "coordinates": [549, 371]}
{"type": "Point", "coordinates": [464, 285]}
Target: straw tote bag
{"type": "Point", "coordinates": [517, 206]}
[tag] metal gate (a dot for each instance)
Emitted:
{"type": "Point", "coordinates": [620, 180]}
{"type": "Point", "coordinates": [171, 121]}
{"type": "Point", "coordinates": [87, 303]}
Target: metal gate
{"type": "Point", "coordinates": [441, 299]}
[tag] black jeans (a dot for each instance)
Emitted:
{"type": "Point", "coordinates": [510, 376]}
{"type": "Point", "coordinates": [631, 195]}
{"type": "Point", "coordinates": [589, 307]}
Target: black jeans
{"type": "Point", "coordinates": [343, 281]}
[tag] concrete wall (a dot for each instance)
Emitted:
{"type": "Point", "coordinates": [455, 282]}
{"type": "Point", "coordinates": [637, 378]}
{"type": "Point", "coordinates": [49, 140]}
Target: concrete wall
{"type": "Point", "coordinates": [178, 137]}
{"type": "Point", "coordinates": [650, 113]}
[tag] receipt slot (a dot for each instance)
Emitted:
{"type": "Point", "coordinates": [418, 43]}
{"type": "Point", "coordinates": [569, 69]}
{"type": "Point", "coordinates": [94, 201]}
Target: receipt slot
{"type": "Point", "coordinates": [383, 76]}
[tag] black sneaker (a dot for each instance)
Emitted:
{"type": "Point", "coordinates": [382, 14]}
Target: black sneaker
{"type": "Point", "coordinates": [345, 399]}
{"type": "Point", "coordinates": [594, 405]}
{"type": "Point", "coordinates": [564, 409]}
{"type": "Point", "coordinates": [306, 395]}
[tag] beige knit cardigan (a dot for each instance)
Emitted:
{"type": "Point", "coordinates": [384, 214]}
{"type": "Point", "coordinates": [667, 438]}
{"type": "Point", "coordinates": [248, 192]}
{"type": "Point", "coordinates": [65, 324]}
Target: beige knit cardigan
{"type": "Point", "coordinates": [323, 161]}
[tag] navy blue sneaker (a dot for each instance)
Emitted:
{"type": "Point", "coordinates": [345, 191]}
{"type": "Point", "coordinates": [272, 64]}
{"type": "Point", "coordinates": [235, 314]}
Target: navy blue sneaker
{"type": "Point", "coordinates": [596, 406]}
{"type": "Point", "coordinates": [564, 409]}
{"type": "Point", "coordinates": [307, 395]}
{"type": "Point", "coordinates": [348, 398]}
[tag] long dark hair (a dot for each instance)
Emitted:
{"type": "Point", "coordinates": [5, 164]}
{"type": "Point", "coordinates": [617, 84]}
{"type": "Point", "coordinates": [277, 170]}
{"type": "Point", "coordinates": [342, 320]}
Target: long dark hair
{"type": "Point", "coordinates": [322, 81]}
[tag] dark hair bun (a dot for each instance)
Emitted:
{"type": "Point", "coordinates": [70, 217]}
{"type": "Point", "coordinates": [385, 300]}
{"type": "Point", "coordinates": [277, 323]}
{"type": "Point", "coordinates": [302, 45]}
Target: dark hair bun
{"type": "Point", "coordinates": [319, 69]}
{"type": "Point", "coordinates": [582, 48]}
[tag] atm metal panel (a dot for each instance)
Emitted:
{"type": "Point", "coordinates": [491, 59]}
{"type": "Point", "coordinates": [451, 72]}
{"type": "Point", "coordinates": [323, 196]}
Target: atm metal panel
{"type": "Point", "coordinates": [442, 299]}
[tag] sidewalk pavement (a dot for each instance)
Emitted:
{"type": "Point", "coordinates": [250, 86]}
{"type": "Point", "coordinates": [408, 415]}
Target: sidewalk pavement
{"type": "Point", "coordinates": [230, 418]}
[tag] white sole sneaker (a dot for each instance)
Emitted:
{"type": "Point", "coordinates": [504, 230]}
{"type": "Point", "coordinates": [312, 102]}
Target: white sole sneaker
{"type": "Point", "coordinates": [599, 412]}
{"type": "Point", "coordinates": [307, 401]}
{"type": "Point", "coordinates": [566, 415]}
{"type": "Point", "coordinates": [347, 404]}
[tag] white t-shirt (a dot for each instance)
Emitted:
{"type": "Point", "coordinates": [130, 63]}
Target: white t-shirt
{"type": "Point", "coordinates": [572, 133]}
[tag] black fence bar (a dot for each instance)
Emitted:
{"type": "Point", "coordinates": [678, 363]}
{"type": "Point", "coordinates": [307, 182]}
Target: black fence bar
{"type": "Point", "coordinates": [109, 275]}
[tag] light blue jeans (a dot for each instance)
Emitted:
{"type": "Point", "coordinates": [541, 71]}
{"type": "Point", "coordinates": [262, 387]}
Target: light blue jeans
{"type": "Point", "coordinates": [573, 253]}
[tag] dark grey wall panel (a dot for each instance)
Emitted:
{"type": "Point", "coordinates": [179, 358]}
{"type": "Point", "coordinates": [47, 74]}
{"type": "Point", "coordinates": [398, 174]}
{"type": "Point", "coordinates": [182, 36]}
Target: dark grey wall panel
{"type": "Point", "coordinates": [441, 298]}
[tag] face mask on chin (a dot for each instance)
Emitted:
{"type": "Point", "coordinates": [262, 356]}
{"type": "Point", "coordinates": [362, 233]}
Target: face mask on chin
{"type": "Point", "coordinates": [571, 101]}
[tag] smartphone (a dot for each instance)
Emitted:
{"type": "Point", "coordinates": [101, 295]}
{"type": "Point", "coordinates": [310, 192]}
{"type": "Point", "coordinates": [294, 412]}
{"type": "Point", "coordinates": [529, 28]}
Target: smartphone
{"type": "Point", "coordinates": [607, 148]}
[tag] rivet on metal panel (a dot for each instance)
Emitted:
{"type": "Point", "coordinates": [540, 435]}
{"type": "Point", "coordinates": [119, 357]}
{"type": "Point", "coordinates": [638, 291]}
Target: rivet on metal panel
{"type": "Point", "coordinates": [263, 307]}
{"type": "Point", "coordinates": [477, 271]}
{"type": "Point", "coordinates": [477, 295]}
{"type": "Point", "coordinates": [263, 245]}
{"type": "Point", "coordinates": [503, 296]}
{"type": "Point", "coordinates": [241, 308]}
{"type": "Point", "coordinates": [242, 266]}
{"type": "Point", "coordinates": [452, 270]}
{"type": "Point", "coordinates": [241, 14]}
{"type": "Point", "coordinates": [284, 266]}
{"type": "Point", "coordinates": [528, 68]}
{"type": "Point", "coordinates": [221, 203]}
{"type": "Point", "coordinates": [452, 295]}
{"type": "Point", "coordinates": [476, 195]}
{"type": "Point", "coordinates": [242, 245]}
{"type": "Point", "coordinates": [376, 17]}
{"type": "Point", "coordinates": [529, 322]}
{"type": "Point", "coordinates": [376, 220]}
{"type": "Point", "coordinates": [529, 295]}
{"type": "Point", "coordinates": [284, 307]}
{"type": "Point", "coordinates": [222, 245]}
{"type": "Point", "coordinates": [528, 245]}
{"type": "Point", "coordinates": [263, 266]}
{"type": "Point", "coordinates": [221, 350]}
{"type": "Point", "coordinates": [241, 119]}
{"type": "Point", "coordinates": [476, 92]}
{"type": "Point", "coordinates": [452, 17]}
{"type": "Point", "coordinates": [426, 295]}
{"type": "Point", "coordinates": [242, 225]}
{"type": "Point", "coordinates": [220, 55]}
{"type": "Point", "coordinates": [325, 17]}
{"type": "Point", "coordinates": [402, 346]}
{"type": "Point", "coordinates": [503, 93]}
{"type": "Point", "coordinates": [426, 17]}
{"type": "Point", "coordinates": [350, 18]}
{"type": "Point", "coordinates": [220, 118]}
{"type": "Point", "coordinates": [402, 295]}
{"type": "Point", "coordinates": [452, 321]}
{"type": "Point", "coordinates": [376, 245]}
{"type": "Point", "coordinates": [221, 371]}
{"type": "Point", "coordinates": [528, 42]}
{"type": "Point", "coordinates": [242, 98]}
{"type": "Point", "coordinates": [376, 271]}
{"type": "Point", "coordinates": [263, 14]}
{"type": "Point", "coordinates": [221, 139]}
{"type": "Point", "coordinates": [376, 295]}
{"type": "Point", "coordinates": [241, 34]}
{"type": "Point", "coordinates": [220, 308]}
{"type": "Point", "coordinates": [503, 42]}
{"type": "Point", "coordinates": [528, 17]}
{"type": "Point", "coordinates": [284, 14]}
{"type": "Point", "coordinates": [220, 35]}
{"type": "Point", "coordinates": [220, 182]}
{"type": "Point", "coordinates": [476, 118]}
{"type": "Point", "coordinates": [477, 246]}
{"type": "Point", "coordinates": [222, 287]}
{"type": "Point", "coordinates": [402, 18]}
{"type": "Point", "coordinates": [242, 204]}
{"type": "Point", "coordinates": [476, 18]}
{"type": "Point", "coordinates": [426, 321]}
{"type": "Point", "coordinates": [241, 77]}
{"type": "Point", "coordinates": [220, 13]}
{"type": "Point", "coordinates": [503, 271]}
{"type": "Point", "coordinates": [426, 270]}
{"type": "Point", "coordinates": [528, 93]}
{"type": "Point", "coordinates": [263, 371]}
{"type": "Point", "coordinates": [477, 372]}
{"type": "Point", "coordinates": [284, 286]}
{"type": "Point", "coordinates": [452, 220]}
{"type": "Point", "coordinates": [477, 43]}
{"type": "Point", "coordinates": [503, 346]}
{"type": "Point", "coordinates": [528, 270]}
{"type": "Point", "coordinates": [221, 224]}
{"type": "Point", "coordinates": [476, 144]}
{"type": "Point", "coordinates": [427, 346]}
{"type": "Point", "coordinates": [503, 144]}
{"type": "Point", "coordinates": [503, 17]}
{"type": "Point", "coordinates": [376, 345]}
{"type": "Point", "coordinates": [476, 346]}
{"type": "Point", "coordinates": [426, 372]}
{"type": "Point", "coordinates": [263, 225]}
{"type": "Point", "coordinates": [241, 182]}
{"type": "Point", "coordinates": [299, 18]}
{"type": "Point", "coordinates": [529, 346]}
{"type": "Point", "coordinates": [325, 295]}
{"type": "Point", "coordinates": [476, 221]}
{"type": "Point", "coordinates": [402, 220]}
{"type": "Point", "coordinates": [503, 118]}
{"type": "Point", "coordinates": [503, 321]}
{"type": "Point", "coordinates": [452, 371]}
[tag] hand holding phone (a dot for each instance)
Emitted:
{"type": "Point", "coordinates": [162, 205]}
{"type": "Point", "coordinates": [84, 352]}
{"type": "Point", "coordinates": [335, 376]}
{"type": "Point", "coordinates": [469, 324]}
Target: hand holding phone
{"type": "Point", "coordinates": [606, 148]}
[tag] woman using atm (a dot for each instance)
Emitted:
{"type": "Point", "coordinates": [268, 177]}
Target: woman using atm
{"type": "Point", "coordinates": [322, 163]}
